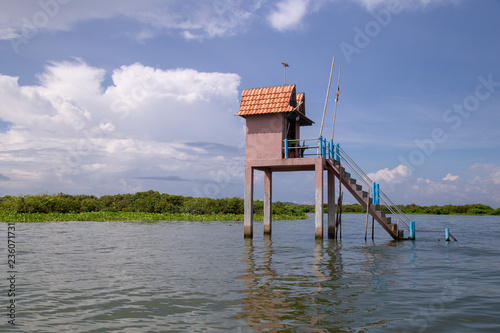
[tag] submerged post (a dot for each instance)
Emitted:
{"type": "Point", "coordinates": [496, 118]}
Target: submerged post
{"type": "Point", "coordinates": [318, 209]}
{"type": "Point", "coordinates": [367, 211]}
{"type": "Point", "coordinates": [331, 204]}
{"type": "Point", "coordinates": [412, 230]}
{"type": "Point", "coordinates": [268, 201]}
{"type": "Point", "coordinates": [248, 204]}
{"type": "Point", "coordinates": [447, 234]}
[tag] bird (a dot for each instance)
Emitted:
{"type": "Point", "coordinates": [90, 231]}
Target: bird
{"type": "Point", "coordinates": [284, 64]}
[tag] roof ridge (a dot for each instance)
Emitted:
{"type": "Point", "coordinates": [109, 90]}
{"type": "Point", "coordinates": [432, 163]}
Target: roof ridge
{"type": "Point", "coordinates": [282, 85]}
{"type": "Point", "coordinates": [272, 99]}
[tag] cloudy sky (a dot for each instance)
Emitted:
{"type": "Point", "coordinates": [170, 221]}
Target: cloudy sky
{"type": "Point", "coordinates": [119, 96]}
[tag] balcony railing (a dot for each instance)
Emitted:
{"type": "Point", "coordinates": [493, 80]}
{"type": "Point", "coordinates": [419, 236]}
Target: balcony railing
{"type": "Point", "coordinates": [319, 147]}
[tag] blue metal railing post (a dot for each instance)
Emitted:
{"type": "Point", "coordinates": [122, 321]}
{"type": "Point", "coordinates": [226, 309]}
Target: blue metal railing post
{"type": "Point", "coordinates": [378, 194]}
{"type": "Point", "coordinates": [374, 194]}
{"type": "Point", "coordinates": [337, 151]}
{"type": "Point", "coordinates": [412, 230]}
{"type": "Point", "coordinates": [331, 148]}
{"type": "Point", "coordinates": [286, 148]}
{"type": "Point", "coordinates": [324, 148]}
{"type": "Point", "coordinates": [320, 148]}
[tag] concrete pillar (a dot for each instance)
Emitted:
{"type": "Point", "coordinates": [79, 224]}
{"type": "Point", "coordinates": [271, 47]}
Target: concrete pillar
{"type": "Point", "coordinates": [248, 209]}
{"type": "Point", "coordinates": [331, 204]}
{"type": "Point", "coordinates": [268, 201]}
{"type": "Point", "coordinates": [318, 208]}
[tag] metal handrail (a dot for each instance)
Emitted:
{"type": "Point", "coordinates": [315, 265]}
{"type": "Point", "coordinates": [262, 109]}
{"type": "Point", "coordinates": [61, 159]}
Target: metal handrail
{"type": "Point", "coordinates": [329, 150]}
{"type": "Point", "coordinates": [391, 206]}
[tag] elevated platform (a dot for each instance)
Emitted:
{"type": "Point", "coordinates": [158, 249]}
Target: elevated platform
{"type": "Point", "coordinates": [274, 117]}
{"type": "Point", "coordinates": [318, 165]}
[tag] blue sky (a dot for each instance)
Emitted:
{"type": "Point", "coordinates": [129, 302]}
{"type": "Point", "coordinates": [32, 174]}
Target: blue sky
{"type": "Point", "coordinates": [105, 97]}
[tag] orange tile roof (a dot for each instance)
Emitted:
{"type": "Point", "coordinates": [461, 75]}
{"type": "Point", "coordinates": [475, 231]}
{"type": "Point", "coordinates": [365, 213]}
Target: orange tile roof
{"type": "Point", "coordinates": [268, 100]}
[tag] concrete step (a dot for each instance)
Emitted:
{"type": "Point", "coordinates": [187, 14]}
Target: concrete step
{"type": "Point", "coordinates": [363, 196]}
{"type": "Point", "coordinates": [401, 234]}
{"type": "Point", "coordinates": [357, 187]}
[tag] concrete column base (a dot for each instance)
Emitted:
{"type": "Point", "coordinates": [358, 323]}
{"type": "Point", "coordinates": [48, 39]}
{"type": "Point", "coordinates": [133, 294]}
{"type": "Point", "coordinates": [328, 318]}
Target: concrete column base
{"type": "Point", "coordinates": [268, 201]}
{"type": "Point", "coordinates": [248, 204]}
{"type": "Point", "coordinates": [331, 204]}
{"type": "Point", "coordinates": [318, 208]}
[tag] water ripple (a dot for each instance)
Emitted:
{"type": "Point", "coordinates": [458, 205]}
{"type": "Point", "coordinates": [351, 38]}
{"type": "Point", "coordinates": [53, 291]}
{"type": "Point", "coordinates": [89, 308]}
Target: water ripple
{"type": "Point", "coordinates": [199, 277]}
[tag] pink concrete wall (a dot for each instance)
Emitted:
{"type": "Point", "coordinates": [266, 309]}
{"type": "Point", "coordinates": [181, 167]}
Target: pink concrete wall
{"type": "Point", "coordinates": [264, 136]}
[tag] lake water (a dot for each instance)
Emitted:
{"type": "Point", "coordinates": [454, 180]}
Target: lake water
{"type": "Point", "coordinates": [205, 277]}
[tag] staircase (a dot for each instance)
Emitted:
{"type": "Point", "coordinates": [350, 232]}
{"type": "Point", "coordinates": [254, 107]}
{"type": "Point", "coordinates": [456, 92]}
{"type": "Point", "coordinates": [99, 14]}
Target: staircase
{"type": "Point", "coordinates": [393, 225]}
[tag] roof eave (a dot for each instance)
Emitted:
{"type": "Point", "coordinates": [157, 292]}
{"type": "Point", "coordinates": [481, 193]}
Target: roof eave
{"type": "Point", "coordinates": [303, 120]}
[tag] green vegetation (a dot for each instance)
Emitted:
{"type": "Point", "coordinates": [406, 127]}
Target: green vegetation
{"type": "Point", "coordinates": [145, 206]}
{"type": "Point", "coordinates": [473, 209]}
{"type": "Point", "coordinates": [153, 206]}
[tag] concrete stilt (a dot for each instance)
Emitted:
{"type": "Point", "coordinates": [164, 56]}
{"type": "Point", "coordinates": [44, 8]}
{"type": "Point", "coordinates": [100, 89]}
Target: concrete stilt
{"type": "Point", "coordinates": [331, 204]}
{"type": "Point", "coordinates": [318, 209]}
{"type": "Point", "coordinates": [248, 205]}
{"type": "Point", "coordinates": [268, 201]}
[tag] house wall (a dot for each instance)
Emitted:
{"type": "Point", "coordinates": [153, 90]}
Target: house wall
{"type": "Point", "coordinates": [264, 136]}
{"type": "Point", "coordinates": [297, 136]}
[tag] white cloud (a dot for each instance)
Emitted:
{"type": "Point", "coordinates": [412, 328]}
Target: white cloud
{"type": "Point", "coordinates": [69, 133]}
{"type": "Point", "coordinates": [289, 14]}
{"type": "Point", "coordinates": [440, 192]}
{"type": "Point", "coordinates": [480, 187]}
{"type": "Point", "coordinates": [450, 177]}
{"type": "Point", "coordinates": [489, 171]}
{"type": "Point", "coordinates": [22, 20]}
{"type": "Point", "coordinates": [398, 175]}
{"type": "Point", "coordinates": [25, 19]}
{"type": "Point", "coordinates": [403, 4]}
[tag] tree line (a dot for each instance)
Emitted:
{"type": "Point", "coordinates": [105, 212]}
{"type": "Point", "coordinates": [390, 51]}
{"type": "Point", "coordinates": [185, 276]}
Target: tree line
{"type": "Point", "coordinates": [146, 202]}
{"type": "Point", "coordinates": [155, 202]}
{"type": "Point", "coordinates": [472, 209]}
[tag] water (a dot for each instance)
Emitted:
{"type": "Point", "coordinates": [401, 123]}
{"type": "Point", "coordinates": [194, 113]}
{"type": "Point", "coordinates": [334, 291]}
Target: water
{"type": "Point", "coordinates": [204, 277]}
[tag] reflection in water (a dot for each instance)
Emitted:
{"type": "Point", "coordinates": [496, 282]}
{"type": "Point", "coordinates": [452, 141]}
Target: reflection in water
{"type": "Point", "coordinates": [284, 294]}
{"type": "Point", "coordinates": [263, 303]}
{"type": "Point", "coordinates": [334, 290]}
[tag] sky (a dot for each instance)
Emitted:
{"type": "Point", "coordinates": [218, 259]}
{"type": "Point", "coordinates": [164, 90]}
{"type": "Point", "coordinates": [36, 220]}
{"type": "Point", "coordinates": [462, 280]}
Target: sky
{"type": "Point", "coordinates": [121, 96]}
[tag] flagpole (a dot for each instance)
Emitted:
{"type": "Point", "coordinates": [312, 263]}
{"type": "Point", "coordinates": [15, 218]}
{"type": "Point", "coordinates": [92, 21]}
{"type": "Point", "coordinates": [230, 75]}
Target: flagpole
{"type": "Point", "coordinates": [326, 100]}
{"type": "Point", "coordinates": [336, 100]}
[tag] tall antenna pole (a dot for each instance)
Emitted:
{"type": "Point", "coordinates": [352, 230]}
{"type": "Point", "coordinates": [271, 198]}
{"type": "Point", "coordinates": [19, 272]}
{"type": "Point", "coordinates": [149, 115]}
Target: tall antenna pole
{"type": "Point", "coordinates": [326, 100]}
{"type": "Point", "coordinates": [336, 100]}
{"type": "Point", "coordinates": [285, 65]}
